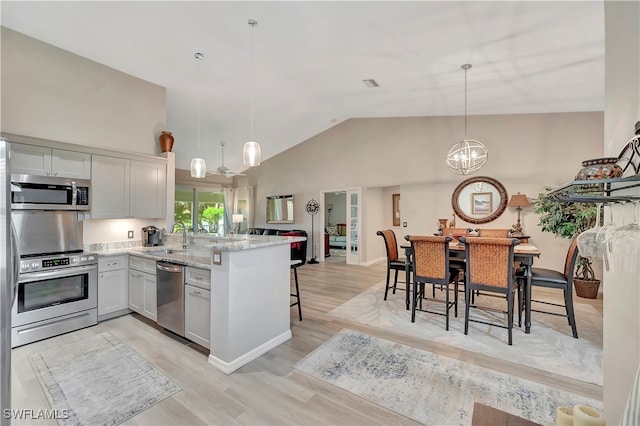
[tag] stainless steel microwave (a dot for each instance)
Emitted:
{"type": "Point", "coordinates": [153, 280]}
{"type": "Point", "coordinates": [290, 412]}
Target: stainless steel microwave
{"type": "Point", "coordinates": [29, 192]}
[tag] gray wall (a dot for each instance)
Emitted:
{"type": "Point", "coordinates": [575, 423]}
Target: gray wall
{"type": "Point", "coordinates": [621, 291]}
{"type": "Point", "coordinates": [53, 94]}
{"type": "Point", "coordinates": [526, 153]}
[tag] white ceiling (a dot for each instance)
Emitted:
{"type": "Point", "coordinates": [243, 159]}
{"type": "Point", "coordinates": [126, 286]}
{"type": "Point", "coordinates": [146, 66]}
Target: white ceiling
{"type": "Point", "coordinates": [311, 57]}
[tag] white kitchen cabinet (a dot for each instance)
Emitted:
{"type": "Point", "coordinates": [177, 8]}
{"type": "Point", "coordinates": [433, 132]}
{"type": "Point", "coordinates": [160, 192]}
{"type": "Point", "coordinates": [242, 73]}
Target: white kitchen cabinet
{"type": "Point", "coordinates": [148, 189]}
{"type": "Point", "coordinates": [197, 315]}
{"type": "Point", "coordinates": [46, 161]}
{"type": "Point", "coordinates": [110, 178]}
{"type": "Point", "coordinates": [197, 305]}
{"type": "Point", "coordinates": [142, 287]}
{"type": "Point", "coordinates": [113, 286]}
{"type": "Point", "coordinates": [124, 188]}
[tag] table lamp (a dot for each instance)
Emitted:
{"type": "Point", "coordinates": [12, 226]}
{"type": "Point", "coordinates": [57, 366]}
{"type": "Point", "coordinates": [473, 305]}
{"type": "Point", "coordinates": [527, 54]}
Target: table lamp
{"type": "Point", "coordinates": [519, 201]}
{"type": "Point", "coordinates": [237, 219]}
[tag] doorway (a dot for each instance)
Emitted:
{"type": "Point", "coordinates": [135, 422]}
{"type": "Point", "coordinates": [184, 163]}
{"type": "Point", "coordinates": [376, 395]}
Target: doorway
{"type": "Point", "coordinates": [341, 220]}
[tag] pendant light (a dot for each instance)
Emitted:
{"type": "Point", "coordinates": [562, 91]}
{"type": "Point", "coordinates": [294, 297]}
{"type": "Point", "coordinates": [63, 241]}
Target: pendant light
{"type": "Point", "coordinates": [251, 153]}
{"type": "Point", "coordinates": [198, 165]}
{"type": "Point", "coordinates": [468, 155]}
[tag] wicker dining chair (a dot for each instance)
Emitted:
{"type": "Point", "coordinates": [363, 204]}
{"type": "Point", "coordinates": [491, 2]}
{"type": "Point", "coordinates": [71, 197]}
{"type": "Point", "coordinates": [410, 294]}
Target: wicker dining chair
{"type": "Point", "coordinates": [394, 262]}
{"type": "Point", "coordinates": [490, 269]}
{"type": "Point", "coordinates": [431, 266]}
{"type": "Point", "coordinates": [494, 233]}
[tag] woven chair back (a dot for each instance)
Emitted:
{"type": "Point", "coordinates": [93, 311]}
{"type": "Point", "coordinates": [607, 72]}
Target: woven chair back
{"type": "Point", "coordinates": [430, 257]}
{"type": "Point", "coordinates": [570, 262]}
{"type": "Point", "coordinates": [454, 231]}
{"type": "Point", "coordinates": [493, 233]}
{"type": "Point", "coordinates": [490, 261]}
{"type": "Point", "coordinates": [390, 243]}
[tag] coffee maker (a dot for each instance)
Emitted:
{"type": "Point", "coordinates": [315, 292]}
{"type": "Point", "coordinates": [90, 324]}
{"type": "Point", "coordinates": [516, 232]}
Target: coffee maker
{"type": "Point", "coordinates": [151, 236]}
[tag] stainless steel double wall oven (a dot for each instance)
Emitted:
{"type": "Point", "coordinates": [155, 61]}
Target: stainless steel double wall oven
{"type": "Point", "coordinates": [58, 281]}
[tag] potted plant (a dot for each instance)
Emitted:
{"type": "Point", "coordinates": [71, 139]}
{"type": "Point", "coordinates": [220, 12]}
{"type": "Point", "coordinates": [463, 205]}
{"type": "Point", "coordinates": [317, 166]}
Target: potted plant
{"type": "Point", "coordinates": [568, 220]}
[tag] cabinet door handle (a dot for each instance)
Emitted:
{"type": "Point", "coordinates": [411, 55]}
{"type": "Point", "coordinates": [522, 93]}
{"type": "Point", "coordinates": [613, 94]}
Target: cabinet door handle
{"type": "Point", "coordinates": [196, 292]}
{"type": "Point", "coordinates": [198, 278]}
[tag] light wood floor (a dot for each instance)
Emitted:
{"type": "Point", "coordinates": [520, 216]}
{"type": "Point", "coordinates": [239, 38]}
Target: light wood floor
{"type": "Point", "coordinates": [267, 390]}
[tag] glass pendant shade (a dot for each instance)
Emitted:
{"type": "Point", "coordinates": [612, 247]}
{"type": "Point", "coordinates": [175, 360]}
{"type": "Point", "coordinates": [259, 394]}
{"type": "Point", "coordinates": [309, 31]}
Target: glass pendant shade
{"type": "Point", "coordinates": [198, 168]}
{"type": "Point", "coordinates": [251, 154]}
{"type": "Point", "coordinates": [467, 156]}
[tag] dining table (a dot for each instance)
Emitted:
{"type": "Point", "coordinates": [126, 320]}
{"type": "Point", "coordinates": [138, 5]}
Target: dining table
{"type": "Point", "coordinates": [522, 253]}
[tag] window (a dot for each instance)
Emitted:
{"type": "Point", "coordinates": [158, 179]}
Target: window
{"type": "Point", "coordinates": [208, 214]}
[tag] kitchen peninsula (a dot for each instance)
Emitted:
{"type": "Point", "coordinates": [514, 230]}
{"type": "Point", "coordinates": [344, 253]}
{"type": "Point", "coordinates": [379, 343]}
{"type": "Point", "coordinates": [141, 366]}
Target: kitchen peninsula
{"type": "Point", "coordinates": [250, 287]}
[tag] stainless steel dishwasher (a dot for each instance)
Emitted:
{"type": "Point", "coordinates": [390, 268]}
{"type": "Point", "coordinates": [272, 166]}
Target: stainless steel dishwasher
{"type": "Point", "coordinates": [170, 293]}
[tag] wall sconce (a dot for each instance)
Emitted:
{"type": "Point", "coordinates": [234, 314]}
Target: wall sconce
{"type": "Point", "coordinates": [519, 201]}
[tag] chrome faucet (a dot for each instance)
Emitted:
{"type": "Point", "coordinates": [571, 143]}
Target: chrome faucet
{"type": "Point", "coordinates": [184, 233]}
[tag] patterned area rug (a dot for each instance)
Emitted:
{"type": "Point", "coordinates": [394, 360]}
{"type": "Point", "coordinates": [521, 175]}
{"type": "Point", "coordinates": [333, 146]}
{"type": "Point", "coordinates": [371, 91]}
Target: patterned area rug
{"type": "Point", "coordinates": [99, 381]}
{"type": "Point", "coordinates": [429, 388]}
{"type": "Point", "coordinates": [549, 347]}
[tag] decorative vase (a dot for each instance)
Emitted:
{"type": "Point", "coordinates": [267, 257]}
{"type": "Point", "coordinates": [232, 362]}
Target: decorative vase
{"type": "Point", "coordinates": [586, 288]}
{"type": "Point", "coordinates": [600, 168]}
{"type": "Point", "coordinates": [443, 224]}
{"type": "Point", "coordinates": [166, 141]}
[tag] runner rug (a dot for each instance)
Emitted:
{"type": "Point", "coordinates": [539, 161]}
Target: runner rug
{"type": "Point", "coordinates": [99, 381]}
{"type": "Point", "coordinates": [429, 388]}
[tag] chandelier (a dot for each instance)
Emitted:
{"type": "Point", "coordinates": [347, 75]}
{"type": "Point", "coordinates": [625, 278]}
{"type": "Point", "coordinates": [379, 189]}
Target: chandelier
{"type": "Point", "coordinates": [468, 155]}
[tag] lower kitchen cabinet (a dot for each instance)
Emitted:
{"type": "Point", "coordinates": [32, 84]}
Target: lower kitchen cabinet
{"type": "Point", "coordinates": [113, 287]}
{"type": "Point", "coordinates": [142, 287]}
{"type": "Point", "coordinates": [197, 305]}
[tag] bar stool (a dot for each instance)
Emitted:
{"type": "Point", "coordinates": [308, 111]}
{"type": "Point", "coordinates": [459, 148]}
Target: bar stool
{"type": "Point", "coordinates": [298, 258]}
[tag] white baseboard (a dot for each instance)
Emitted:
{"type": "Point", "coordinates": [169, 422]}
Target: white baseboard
{"type": "Point", "coordinates": [230, 367]}
{"type": "Point", "coordinates": [371, 262]}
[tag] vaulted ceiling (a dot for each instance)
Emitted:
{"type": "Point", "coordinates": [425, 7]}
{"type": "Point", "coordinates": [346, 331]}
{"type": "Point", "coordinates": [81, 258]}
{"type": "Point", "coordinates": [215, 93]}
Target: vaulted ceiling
{"type": "Point", "coordinates": [310, 60]}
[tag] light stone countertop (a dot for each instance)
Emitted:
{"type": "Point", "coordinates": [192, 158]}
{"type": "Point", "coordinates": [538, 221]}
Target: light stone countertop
{"type": "Point", "coordinates": [197, 256]}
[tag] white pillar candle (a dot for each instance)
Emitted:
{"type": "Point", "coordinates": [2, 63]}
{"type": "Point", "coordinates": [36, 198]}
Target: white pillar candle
{"type": "Point", "coordinates": [587, 416]}
{"type": "Point", "coordinates": [564, 416]}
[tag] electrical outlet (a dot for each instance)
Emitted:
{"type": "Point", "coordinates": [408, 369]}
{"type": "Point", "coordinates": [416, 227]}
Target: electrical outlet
{"type": "Point", "coordinates": [404, 224]}
{"type": "Point", "coordinates": [130, 234]}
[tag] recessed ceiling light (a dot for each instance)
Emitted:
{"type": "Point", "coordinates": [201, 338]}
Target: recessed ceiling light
{"type": "Point", "coordinates": [370, 83]}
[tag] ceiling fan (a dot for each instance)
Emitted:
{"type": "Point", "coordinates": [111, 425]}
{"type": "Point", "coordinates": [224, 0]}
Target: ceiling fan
{"type": "Point", "coordinates": [223, 170]}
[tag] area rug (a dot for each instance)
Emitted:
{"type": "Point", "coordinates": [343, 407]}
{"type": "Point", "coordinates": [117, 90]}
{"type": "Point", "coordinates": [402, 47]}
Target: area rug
{"type": "Point", "coordinates": [549, 347]}
{"type": "Point", "coordinates": [431, 389]}
{"type": "Point", "coordinates": [99, 381]}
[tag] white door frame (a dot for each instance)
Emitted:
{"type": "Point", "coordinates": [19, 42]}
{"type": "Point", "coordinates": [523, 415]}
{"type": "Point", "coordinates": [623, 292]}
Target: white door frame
{"type": "Point", "coordinates": [321, 248]}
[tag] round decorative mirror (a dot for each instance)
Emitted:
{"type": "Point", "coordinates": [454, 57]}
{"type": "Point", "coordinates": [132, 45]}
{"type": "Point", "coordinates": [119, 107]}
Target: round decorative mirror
{"type": "Point", "coordinates": [479, 199]}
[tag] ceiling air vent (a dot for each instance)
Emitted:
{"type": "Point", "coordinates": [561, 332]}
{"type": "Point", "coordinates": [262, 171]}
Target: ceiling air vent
{"type": "Point", "coordinates": [370, 83]}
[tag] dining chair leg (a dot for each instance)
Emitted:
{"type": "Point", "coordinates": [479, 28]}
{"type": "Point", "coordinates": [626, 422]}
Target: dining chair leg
{"type": "Point", "coordinates": [447, 307]}
{"type": "Point", "coordinates": [455, 297]}
{"type": "Point", "coordinates": [395, 281]}
{"type": "Point", "coordinates": [386, 289]}
{"type": "Point", "coordinates": [510, 316]}
{"type": "Point", "coordinates": [467, 299]}
{"type": "Point", "coordinates": [415, 301]}
{"type": "Point", "coordinates": [568, 302]}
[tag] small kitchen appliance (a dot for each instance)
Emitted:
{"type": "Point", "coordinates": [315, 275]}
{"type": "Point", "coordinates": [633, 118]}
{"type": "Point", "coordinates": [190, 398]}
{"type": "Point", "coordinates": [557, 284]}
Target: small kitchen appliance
{"type": "Point", "coordinates": [151, 236]}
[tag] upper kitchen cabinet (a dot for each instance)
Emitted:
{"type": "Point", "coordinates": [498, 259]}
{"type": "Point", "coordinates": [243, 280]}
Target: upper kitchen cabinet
{"type": "Point", "coordinates": [46, 161]}
{"type": "Point", "coordinates": [123, 188]}
{"type": "Point", "coordinates": [148, 189]}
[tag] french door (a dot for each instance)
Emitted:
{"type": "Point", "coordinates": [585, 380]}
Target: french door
{"type": "Point", "coordinates": [353, 226]}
